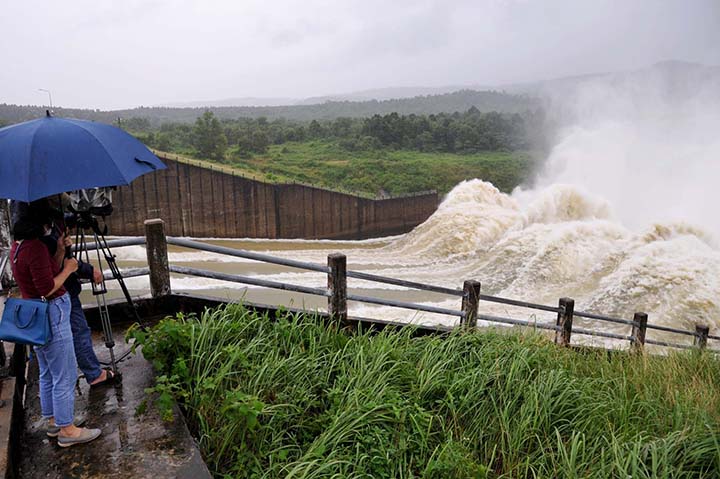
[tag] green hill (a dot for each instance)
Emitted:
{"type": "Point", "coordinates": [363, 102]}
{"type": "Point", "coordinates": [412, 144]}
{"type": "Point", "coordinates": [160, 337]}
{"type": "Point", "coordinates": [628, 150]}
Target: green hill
{"type": "Point", "coordinates": [431, 104]}
{"type": "Point", "coordinates": [325, 164]}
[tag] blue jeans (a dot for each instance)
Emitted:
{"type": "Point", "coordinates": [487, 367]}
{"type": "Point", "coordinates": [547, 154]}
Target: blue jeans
{"type": "Point", "coordinates": [58, 368]}
{"type": "Point", "coordinates": [86, 359]}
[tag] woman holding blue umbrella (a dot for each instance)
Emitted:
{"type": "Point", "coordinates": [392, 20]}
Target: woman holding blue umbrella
{"type": "Point", "coordinates": [45, 157]}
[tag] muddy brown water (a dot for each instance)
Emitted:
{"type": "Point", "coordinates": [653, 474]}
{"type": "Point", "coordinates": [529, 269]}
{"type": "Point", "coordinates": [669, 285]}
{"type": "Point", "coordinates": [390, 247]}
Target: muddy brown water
{"type": "Point", "coordinates": [311, 251]}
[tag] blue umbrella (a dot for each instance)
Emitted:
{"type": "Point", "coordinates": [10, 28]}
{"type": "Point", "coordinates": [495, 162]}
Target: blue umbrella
{"type": "Point", "coordinates": [50, 155]}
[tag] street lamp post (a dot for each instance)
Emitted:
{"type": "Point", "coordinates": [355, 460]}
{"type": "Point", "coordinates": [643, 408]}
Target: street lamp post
{"type": "Point", "coordinates": [49, 95]}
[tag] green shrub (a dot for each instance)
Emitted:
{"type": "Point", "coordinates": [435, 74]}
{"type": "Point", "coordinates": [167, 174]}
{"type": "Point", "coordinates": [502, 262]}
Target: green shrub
{"type": "Point", "coordinates": [295, 397]}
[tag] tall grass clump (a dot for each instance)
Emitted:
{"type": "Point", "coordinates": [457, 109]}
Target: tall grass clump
{"type": "Point", "coordinates": [295, 397]}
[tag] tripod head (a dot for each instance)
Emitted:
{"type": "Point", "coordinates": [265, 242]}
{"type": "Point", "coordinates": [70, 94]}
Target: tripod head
{"type": "Point", "coordinates": [85, 220]}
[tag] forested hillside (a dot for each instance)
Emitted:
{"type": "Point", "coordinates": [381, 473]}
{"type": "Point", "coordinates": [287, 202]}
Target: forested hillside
{"type": "Point", "coordinates": [383, 154]}
{"type": "Point", "coordinates": [457, 101]}
{"type": "Point", "coordinates": [468, 132]}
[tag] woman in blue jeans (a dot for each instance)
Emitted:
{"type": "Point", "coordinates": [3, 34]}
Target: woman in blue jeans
{"type": "Point", "coordinates": [57, 243]}
{"type": "Point", "coordinates": [39, 276]}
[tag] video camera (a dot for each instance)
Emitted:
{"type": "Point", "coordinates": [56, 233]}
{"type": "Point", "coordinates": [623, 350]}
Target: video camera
{"type": "Point", "coordinates": [86, 205]}
{"type": "Point", "coordinates": [92, 201]}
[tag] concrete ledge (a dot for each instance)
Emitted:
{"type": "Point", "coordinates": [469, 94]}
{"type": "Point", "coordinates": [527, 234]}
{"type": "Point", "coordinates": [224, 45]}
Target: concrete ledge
{"type": "Point", "coordinates": [148, 307]}
{"type": "Point", "coordinates": [8, 428]}
{"type": "Point", "coordinates": [12, 393]}
{"type": "Point", "coordinates": [131, 445]}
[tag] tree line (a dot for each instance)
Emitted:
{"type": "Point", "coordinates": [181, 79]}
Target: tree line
{"type": "Point", "coordinates": [469, 132]}
{"type": "Point", "coordinates": [419, 105]}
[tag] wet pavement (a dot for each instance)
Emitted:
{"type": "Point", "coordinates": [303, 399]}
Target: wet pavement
{"type": "Point", "coordinates": [131, 445]}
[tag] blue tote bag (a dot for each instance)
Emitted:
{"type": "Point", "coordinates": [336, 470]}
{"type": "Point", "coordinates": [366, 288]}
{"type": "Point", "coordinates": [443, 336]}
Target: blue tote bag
{"type": "Point", "coordinates": [25, 321]}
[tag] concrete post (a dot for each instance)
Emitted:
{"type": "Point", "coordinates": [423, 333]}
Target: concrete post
{"type": "Point", "coordinates": [337, 285]}
{"type": "Point", "coordinates": [702, 336]}
{"type": "Point", "coordinates": [638, 332]}
{"type": "Point", "coordinates": [470, 300]}
{"type": "Point", "coordinates": [564, 321]}
{"type": "Point", "coordinates": [157, 257]}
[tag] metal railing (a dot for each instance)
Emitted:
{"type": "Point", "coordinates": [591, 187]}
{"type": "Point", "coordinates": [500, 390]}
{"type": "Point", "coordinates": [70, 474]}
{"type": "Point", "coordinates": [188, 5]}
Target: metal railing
{"type": "Point", "coordinates": [159, 270]}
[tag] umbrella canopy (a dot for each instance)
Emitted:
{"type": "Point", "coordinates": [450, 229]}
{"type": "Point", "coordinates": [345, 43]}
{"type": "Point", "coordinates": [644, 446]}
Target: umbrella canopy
{"type": "Point", "coordinates": [50, 155]}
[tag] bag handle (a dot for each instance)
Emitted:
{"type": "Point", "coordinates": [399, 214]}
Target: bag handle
{"type": "Point", "coordinates": [17, 316]}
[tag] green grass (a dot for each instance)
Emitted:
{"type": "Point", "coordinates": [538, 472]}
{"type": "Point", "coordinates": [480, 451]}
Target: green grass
{"type": "Point", "coordinates": [368, 172]}
{"type": "Point", "coordinates": [296, 398]}
{"type": "Point", "coordinates": [396, 171]}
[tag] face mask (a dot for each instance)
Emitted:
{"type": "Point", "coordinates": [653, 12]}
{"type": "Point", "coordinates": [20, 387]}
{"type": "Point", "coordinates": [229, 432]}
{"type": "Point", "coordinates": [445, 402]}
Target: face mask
{"type": "Point", "coordinates": [52, 230]}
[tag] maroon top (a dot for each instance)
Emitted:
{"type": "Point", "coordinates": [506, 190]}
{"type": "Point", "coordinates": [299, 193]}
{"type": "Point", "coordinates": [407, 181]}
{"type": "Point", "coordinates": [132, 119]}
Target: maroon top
{"type": "Point", "coordinates": [35, 270]}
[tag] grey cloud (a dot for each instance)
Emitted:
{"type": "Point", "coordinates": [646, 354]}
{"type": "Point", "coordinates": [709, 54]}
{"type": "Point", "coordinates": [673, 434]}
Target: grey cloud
{"type": "Point", "coordinates": [120, 54]}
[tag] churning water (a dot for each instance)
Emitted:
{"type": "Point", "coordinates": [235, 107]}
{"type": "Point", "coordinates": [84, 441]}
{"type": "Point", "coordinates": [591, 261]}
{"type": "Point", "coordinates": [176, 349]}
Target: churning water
{"type": "Point", "coordinates": [538, 247]}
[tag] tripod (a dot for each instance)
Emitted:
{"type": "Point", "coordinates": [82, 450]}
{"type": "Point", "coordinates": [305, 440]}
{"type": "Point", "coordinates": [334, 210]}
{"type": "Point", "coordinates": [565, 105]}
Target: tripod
{"type": "Point", "coordinates": [86, 221]}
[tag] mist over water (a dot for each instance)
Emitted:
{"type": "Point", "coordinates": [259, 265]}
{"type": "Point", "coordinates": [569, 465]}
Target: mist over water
{"type": "Point", "coordinates": [646, 146]}
{"type": "Point", "coordinates": [647, 142]}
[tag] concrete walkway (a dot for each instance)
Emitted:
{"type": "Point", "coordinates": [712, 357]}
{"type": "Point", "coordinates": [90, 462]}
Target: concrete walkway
{"type": "Point", "coordinates": [131, 446]}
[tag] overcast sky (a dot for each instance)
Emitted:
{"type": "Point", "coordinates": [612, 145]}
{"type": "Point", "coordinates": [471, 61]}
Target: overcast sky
{"type": "Point", "coordinates": [117, 54]}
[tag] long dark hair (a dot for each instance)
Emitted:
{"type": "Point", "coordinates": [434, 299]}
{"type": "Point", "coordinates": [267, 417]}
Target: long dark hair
{"type": "Point", "coordinates": [31, 220]}
{"type": "Point", "coordinates": [27, 228]}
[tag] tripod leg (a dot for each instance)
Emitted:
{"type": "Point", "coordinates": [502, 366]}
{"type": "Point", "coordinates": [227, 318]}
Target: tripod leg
{"type": "Point", "coordinates": [112, 264]}
{"type": "Point", "coordinates": [105, 314]}
{"type": "Point", "coordinates": [107, 331]}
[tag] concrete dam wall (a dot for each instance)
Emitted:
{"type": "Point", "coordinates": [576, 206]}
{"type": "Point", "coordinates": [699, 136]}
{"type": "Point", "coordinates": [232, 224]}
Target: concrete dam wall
{"type": "Point", "coordinates": [201, 202]}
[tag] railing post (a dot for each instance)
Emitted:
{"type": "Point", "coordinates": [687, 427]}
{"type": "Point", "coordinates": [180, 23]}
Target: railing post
{"type": "Point", "coordinates": [702, 333]}
{"type": "Point", "coordinates": [564, 321]}
{"type": "Point", "coordinates": [337, 286]}
{"type": "Point", "coordinates": [638, 332]}
{"type": "Point", "coordinates": [157, 257]}
{"type": "Point", "coordinates": [470, 300]}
